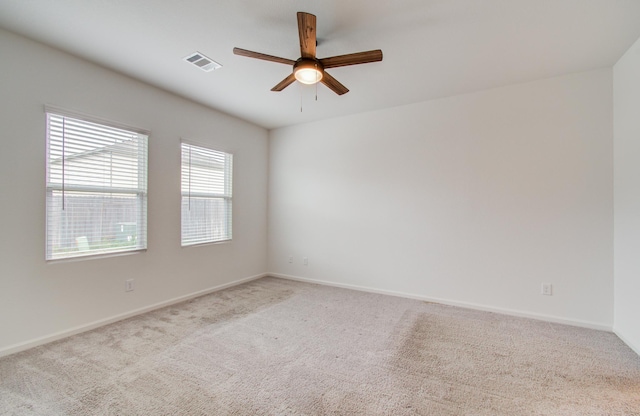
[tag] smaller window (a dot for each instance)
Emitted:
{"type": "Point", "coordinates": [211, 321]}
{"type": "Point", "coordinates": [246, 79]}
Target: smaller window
{"type": "Point", "coordinates": [206, 195]}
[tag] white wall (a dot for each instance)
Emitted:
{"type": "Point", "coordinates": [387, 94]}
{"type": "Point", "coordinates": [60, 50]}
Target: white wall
{"type": "Point", "coordinates": [38, 299]}
{"type": "Point", "coordinates": [474, 199]}
{"type": "Point", "coordinates": [626, 107]}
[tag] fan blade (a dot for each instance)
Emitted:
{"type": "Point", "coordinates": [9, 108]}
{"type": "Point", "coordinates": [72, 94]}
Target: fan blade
{"type": "Point", "coordinates": [352, 59]}
{"type": "Point", "coordinates": [284, 83]}
{"type": "Point", "coordinates": [333, 84]}
{"type": "Point", "coordinates": [264, 57]}
{"type": "Point", "coordinates": [307, 33]}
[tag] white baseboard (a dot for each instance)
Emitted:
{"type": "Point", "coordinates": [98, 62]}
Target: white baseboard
{"type": "Point", "coordinates": [11, 349]}
{"type": "Point", "coordinates": [468, 305]}
{"type": "Point", "coordinates": [635, 348]}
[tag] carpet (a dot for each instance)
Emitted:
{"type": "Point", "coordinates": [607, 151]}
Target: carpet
{"type": "Point", "coordinates": [278, 347]}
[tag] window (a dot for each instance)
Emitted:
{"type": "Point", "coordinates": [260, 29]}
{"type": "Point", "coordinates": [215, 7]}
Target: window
{"type": "Point", "coordinates": [206, 195]}
{"type": "Point", "coordinates": [96, 187]}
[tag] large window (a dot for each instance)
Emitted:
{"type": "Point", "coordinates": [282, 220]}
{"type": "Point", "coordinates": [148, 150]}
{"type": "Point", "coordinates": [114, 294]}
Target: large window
{"type": "Point", "coordinates": [206, 195]}
{"type": "Point", "coordinates": [96, 187]}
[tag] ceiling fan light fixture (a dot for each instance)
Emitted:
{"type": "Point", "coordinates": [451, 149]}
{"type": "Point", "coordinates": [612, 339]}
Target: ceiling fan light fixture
{"type": "Point", "coordinates": [308, 69]}
{"type": "Point", "coordinates": [308, 72]}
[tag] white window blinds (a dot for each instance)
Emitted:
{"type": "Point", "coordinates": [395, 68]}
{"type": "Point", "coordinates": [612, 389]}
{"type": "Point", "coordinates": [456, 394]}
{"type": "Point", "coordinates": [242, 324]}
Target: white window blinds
{"type": "Point", "coordinates": [206, 195]}
{"type": "Point", "coordinates": [96, 188]}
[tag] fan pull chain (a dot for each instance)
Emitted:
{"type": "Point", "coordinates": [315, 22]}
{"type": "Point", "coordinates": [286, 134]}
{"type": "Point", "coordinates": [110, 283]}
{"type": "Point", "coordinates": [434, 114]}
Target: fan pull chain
{"type": "Point", "coordinates": [317, 80]}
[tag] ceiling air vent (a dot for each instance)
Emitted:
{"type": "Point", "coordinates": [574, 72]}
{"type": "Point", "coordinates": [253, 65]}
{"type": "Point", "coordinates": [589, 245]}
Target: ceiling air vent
{"type": "Point", "coordinates": [202, 62]}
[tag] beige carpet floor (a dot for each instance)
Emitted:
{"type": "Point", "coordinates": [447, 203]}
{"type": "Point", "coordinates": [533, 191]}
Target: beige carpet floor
{"type": "Point", "coordinates": [277, 347]}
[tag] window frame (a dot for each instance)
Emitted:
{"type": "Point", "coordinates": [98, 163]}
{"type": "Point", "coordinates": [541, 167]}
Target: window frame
{"type": "Point", "coordinates": [227, 195]}
{"type": "Point", "coordinates": [141, 191]}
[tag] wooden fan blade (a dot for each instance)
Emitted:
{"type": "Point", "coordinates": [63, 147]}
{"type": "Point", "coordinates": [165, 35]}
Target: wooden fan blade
{"type": "Point", "coordinates": [284, 83]}
{"type": "Point", "coordinates": [333, 84]}
{"type": "Point", "coordinates": [352, 59]}
{"type": "Point", "coordinates": [307, 33]}
{"type": "Point", "coordinates": [264, 57]}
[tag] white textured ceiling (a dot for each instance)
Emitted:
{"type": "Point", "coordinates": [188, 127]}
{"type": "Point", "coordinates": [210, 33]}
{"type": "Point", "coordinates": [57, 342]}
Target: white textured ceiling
{"type": "Point", "coordinates": [432, 48]}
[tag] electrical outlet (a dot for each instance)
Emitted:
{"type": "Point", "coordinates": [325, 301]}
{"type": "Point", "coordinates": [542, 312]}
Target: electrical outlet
{"type": "Point", "coordinates": [547, 289]}
{"type": "Point", "coordinates": [290, 259]}
{"type": "Point", "coordinates": [305, 261]}
{"type": "Point", "coordinates": [128, 285]}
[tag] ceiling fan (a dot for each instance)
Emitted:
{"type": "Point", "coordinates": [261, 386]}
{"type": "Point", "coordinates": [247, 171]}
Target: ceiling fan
{"type": "Point", "coordinates": [308, 69]}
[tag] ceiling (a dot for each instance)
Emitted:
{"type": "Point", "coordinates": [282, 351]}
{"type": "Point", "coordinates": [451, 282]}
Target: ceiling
{"type": "Point", "coordinates": [432, 48]}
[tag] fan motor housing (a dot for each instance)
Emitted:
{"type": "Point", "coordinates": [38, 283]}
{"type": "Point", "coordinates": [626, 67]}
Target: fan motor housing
{"type": "Point", "coordinates": [308, 63]}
